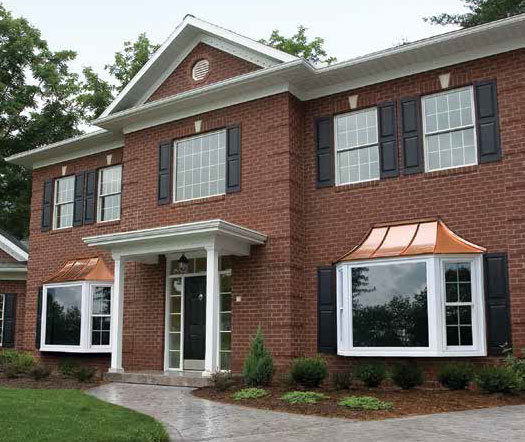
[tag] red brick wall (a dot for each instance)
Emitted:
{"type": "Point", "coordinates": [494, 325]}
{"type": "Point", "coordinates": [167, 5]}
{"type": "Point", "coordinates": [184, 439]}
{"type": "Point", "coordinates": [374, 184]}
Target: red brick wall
{"type": "Point", "coordinates": [222, 66]}
{"type": "Point", "coordinates": [6, 257]}
{"type": "Point", "coordinates": [480, 203]}
{"type": "Point", "coordinates": [19, 289]}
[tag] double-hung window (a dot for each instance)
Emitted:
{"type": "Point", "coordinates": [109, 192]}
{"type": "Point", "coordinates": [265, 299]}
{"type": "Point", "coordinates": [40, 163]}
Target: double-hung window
{"type": "Point", "coordinates": [2, 307]}
{"type": "Point", "coordinates": [448, 124]}
{"type": "Point", "coordinates": [76, 317]}
{"type": "Point", "coordinates": [64, 196]}
{"type": "Point", "coordinates": [109, 189]}
{"type": "Point", "coordinates": [200, 166]}
{"type": "Point", "coordinates": [356, 147]}
{"type": "Point", "coordinates": [421, 306]}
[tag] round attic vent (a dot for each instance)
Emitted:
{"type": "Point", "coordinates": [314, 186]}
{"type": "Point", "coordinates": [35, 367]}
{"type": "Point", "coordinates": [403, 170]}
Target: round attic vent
{"type": "Point", "coordinates": [200, 69]}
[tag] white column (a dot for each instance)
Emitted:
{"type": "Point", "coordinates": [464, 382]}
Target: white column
{"type": "Point", "coordinates": [117, 315]}
{"type": "Point", "coordinates": [211, 362]}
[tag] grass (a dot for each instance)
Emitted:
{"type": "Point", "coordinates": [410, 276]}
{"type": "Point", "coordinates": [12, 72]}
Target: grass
{"type": "Point", "coordinates": [72, 416]}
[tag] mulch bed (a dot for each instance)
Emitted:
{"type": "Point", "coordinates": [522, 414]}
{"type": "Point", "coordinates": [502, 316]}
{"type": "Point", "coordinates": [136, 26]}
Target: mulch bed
{"type": "Point", "coordinates": [53, 382]}
{"type": "Point", "coordinates": [405, 402]}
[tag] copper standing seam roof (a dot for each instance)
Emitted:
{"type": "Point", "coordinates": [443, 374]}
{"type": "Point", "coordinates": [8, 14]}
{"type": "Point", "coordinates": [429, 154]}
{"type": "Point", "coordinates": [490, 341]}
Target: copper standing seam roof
{"type": "Point", "coordinates": [83, 269]}
{"type": "Point", "coordinates": [409, 238]}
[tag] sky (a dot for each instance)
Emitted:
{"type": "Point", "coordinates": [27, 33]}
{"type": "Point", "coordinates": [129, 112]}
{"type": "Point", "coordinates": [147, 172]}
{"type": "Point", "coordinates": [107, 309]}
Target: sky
{"type": "Point", "coordinates": [96, 29]}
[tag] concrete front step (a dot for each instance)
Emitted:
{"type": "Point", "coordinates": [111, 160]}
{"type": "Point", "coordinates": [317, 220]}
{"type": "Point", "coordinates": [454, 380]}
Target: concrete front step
{"type": "Point", "coordinates": [173, 379]}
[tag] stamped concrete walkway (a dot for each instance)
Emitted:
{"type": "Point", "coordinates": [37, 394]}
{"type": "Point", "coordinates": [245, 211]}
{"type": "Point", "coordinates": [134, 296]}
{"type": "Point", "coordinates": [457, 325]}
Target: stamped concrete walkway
{"type": "Point", "coordinates": [191, 419]}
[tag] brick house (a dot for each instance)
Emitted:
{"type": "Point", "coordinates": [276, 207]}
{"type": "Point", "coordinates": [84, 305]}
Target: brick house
{"type": "Point", "coordinates": [371, 208]}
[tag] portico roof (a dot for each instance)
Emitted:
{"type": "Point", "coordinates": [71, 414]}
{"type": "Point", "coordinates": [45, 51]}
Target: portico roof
{"type": "Point", "coordinates": [232, 238]}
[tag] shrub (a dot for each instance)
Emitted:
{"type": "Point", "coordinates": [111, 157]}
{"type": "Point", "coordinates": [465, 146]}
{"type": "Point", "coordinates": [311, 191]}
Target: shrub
{"type": "Point", "coordinates": [39, 372]}
{"type": "Point", "coordinates": [222, 381]}
{"type": "Point", "coordinates": [67, 367]}
{"type": "Point", "coordinates": [365, 403]}
{"type": "Point", "coordinates": [258, 365]}
{"type": "Point", "coordinates": [407, 375]}
{"type": "Point", "coordinates": [83, 374]}
{"type": "Point", "coordinates": [497, 379]}
{"type": "Point", "coordinates": [16, 363]}
{"type": "Point", "coordinates": [372, 375]}
{"type": "Point", "coordinates": [309, 372]}
{"type": "Point", "coordinates": [249, 393]}
{"type": "Point", "coordinates": [342, 380]}
{"type": "Point", "coordinates": [7, 356]}
{"type": "Point", "coordinates": [517, 365]}
{"type": "Point", "coordinates": [456, 375]}
{"type": "Point", "coordinates": [303, 397]}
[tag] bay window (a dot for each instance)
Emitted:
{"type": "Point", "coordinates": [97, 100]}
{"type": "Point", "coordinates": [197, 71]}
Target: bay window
{"type": "Point", "coordinates": [419, 306]}
{"type": "Point", "coordinates": [76, 317]}
{"type": "Point", "coordinates": [2, 307]}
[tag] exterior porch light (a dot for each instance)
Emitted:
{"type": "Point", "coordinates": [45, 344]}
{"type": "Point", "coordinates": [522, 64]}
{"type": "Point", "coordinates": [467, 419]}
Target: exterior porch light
{"type": "Point", "coordinates": [183, 264]}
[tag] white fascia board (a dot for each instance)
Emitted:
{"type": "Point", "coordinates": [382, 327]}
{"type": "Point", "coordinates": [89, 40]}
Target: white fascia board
{"type": "Point", "coordinates": [13, 274]}
{"type": "Point", "coordinates": [12, 249]}
{"type": "Point", "coordinates": [202, 26]}
{"type": "Point", "coordinates": [216, 226]}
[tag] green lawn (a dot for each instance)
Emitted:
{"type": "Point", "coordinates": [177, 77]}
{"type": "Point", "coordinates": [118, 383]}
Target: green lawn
{"type": "Point", "coordinates": [72, 416]}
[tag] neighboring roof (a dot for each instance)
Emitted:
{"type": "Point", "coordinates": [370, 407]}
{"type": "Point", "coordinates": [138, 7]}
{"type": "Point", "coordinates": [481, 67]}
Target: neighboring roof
{"type": "Point", "coordinates": [186, 36]}
{"type": "Point", "coordinates": [286, 73]}
{"type": "Point", "coordinates": [13, 247]}
{"type": "Point", "coordinates": [410, 238]}
{"type": "Point", "coordinates": [83, 269]}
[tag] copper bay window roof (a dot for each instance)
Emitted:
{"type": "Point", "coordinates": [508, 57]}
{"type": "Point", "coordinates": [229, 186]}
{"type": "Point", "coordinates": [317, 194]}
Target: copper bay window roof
{"type": "Point", "coordinates": [82, 269]}
{"type": "Point", "coordinates": [409, 238]}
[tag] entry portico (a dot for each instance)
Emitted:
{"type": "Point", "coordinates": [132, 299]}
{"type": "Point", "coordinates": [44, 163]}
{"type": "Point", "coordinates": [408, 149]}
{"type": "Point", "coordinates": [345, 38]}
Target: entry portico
{"type": "Point", "coordinates": [215, 238]}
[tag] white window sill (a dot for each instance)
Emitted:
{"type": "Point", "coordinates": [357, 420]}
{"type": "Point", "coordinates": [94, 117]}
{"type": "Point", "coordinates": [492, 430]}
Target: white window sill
{"type": "Point", "coordinates": [74, 349]}
{"type": "Point", "coordinates": [413, 353]}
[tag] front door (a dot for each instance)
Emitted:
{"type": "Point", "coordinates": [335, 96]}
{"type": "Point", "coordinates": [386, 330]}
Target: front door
{"type": "Point", "coordinates": [194, 322]}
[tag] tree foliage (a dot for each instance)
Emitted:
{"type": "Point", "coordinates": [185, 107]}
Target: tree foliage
{"type": "Point", "coordinates": [298, 45]}
{"type": "Point", "coordinates": [481, 11]}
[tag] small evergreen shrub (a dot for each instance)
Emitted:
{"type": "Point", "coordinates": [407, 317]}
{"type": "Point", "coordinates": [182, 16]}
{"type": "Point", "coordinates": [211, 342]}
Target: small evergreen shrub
{"type": "Point", "coordinates": [372, 375]}
{"type": "Point", "coordinates": [303, 397]}
{"type": "Point", "coordinates": [364, 403]}
{"type": "Point", "coordinates": [222, 381]}
{"type": "Point", "coordinates": [67, 367]}
{"type": "Point", "coordinates": [517, 365]}
{"type": "Point", "coordinates": [83, 374]}
{"type": "Point", "coordinates": [342, 380]}
{"type": "Point", "coordinates": [7, 356]}
{"type": "Point", "coordinates": [407, 375]}
{"type": "Point", "coordinates": [309, 372]}
{"type": "Point", "coordinates": [39, 372]}
{"type": "Point", "coordinates": [16, 363]}
{"type": "Point", "coordinates": [497, 379]}
{"type": "Point", "coordinates": [456, 375]}
{"type": "Point", "coordinates": [258, 364]}
{"type": "Point", "coordinates": [249, 393]}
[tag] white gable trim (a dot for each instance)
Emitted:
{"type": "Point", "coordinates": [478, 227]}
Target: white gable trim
{"type": "Point", "coordinates": [207, 28]}
{"type": "Point", "coordinates": [12, 249]}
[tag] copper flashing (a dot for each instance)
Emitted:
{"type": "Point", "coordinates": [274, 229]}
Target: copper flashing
{"type": "Point", "coordinates": [409, 238]}
{"type": "Point", "coordinates": [82, 269]}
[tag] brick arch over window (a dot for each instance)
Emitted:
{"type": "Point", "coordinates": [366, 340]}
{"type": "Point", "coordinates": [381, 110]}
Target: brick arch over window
{"type": "Point", "coordinates": [222, 66]}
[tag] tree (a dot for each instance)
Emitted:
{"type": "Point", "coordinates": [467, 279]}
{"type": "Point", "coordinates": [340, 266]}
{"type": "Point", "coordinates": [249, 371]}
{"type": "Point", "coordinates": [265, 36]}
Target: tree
{"type": "Point", "coordinates": [37, 106]}
{"type": "Point", "coordinates": [95, 94]}
{"type": "Point", "coordinates": [299, 46]}
{"type": "Point", "coordinates": [481, 11]}
{"type": "Point", "coordinates": [129, 61]}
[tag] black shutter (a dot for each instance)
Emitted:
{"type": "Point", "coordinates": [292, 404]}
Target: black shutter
{"type": "Point", "coordinates": [164, 173]}
{"type": "Point", "coordinates": [388, 140]}
{"type": "Point", "coordinates": [38, 318]}
{"type": "Point", "coordinates": [487, 121]}
{"type": "Point", "coordinates": [8, 340]}
{"type": "Point", "coordinates": [413, 161]}
{"type": "Point", "coordinates": [233, 160]}
{"type": "Point", "coordinates": [324, 142]}
{"type": "Point", "coordinates": [497, 302]}
{"type": "Point", "coordinates": [326, 310]}
{"type": "Point", "coordinates": [47, 205]}
{"type": "Point", "coordinates": [91, 197]}
{"type": "Point", "coordinates": [78, 206]}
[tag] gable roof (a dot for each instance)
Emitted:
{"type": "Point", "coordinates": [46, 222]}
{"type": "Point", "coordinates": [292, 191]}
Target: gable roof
{"type": "Point", "coordinates": [13, 247]}
{"type": "Point", "coordinates": [179, 44]}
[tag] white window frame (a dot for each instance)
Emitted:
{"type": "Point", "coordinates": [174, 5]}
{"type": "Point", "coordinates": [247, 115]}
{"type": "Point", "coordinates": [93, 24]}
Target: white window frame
{"type": "Point", "coordinates": [100, 195]}
{"type": "Point", "coordinates": [175, 145]}
{"type": "Point", "coordinates": [435, 304]}
{"type": "Point", "coordinates": [55, 204]}
{"type": "Point", "coordinates": [364, 146]}
{"type": "Point", "coordinates": [85, 319]}
{"type": "Point", "coordinates": [2, 303]}
{"type": "Point", "coordinates": [438, 132]}
{"type": "Point", "coordinates": [91, 316]}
